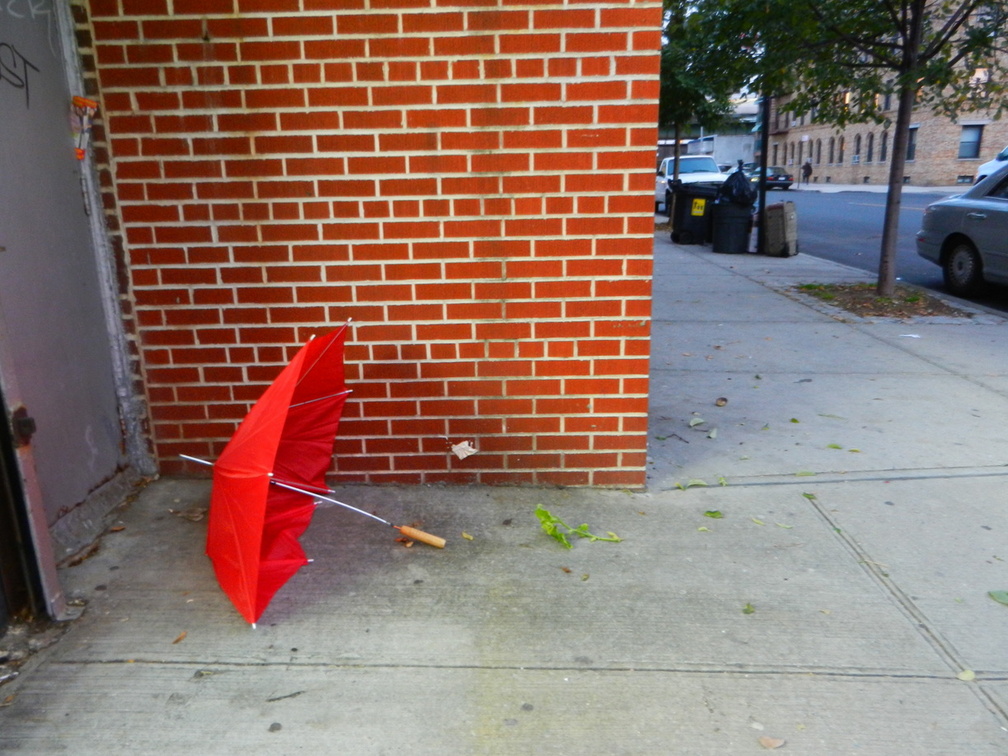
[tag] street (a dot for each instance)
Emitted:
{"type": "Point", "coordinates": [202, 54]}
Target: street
{"type": "Point", "coordinates": [847, 227]}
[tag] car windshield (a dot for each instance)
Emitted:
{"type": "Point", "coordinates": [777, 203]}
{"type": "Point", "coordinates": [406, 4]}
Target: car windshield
{"type": "Point", "coordinates": [697, 165]}
{"type": "Point", "coordinates": [776, 169]}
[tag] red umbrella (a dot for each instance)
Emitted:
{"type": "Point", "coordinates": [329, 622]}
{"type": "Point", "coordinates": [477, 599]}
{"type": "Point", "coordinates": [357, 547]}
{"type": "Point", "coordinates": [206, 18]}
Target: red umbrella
{"type": "Point", "coordinates": [267, 476]}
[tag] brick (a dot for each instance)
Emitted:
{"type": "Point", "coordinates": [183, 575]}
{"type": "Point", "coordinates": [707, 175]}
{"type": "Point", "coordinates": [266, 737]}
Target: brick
{"type": "Point", "coordinates": [469, 45]}
{"type": "Point", "coordinates": [525, 44]}
{"type": "Point", "coordinates": [367, 24]}
{"type": "Point", "coordinates": [301, 25]}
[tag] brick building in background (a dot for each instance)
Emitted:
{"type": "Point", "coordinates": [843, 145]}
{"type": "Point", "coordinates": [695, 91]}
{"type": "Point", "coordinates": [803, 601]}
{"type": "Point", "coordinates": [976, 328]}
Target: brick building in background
{"type": "Point", "coordinates": [941, 152]}
{"type": "Point", "coordinates": [468, 180]}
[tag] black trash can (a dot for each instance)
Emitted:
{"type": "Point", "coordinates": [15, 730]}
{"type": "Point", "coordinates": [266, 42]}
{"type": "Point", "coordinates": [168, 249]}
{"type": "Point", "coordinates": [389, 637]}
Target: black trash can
{"type": "Point", "coordinates": [732, 228]}
{"type": "Point", "coordinates": [691, 218]}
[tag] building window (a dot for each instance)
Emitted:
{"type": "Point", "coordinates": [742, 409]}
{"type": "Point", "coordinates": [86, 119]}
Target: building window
{"type": "Point", "coordinates": [832, 149]}
{"type": "Point", "coordinates": [969, 142]}
{"type": "Point", "coordinates": [857, 149]}
{"type": "Point", "coordinates": [883, 147]}
{"type": "Point", "coordinates": [870, 148]}
{"type": "Point", "coordinates": [840, 146]}
{"type": "Point", "coordinates": [818, 151]}
{"type": "Point", "coordinates": [912, 144]}
{"type": "Point", "coordinates": [775, 161]}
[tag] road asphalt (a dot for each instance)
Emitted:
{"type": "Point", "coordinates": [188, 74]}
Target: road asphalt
{"type": "Point", "coordinates": [808, 571]}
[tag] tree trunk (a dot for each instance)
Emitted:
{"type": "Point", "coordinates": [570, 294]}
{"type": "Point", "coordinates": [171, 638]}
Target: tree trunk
{"type": "Point", "coordinates": [897, 166]}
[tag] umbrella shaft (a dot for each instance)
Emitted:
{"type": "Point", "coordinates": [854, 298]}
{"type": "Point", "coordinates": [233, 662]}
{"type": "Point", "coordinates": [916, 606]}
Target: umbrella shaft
{"type": "Point", "coordinates": [315, 495]}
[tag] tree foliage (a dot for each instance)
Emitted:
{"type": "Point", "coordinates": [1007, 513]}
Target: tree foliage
{"type": "Point", "coordinates": [837, 60]}
{"type": "Point", "coordinates": [691, 89]}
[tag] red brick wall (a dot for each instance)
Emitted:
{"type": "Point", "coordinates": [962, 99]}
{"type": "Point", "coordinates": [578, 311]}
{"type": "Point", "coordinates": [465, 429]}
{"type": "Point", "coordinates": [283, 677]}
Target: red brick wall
{"type": "Point", "coordinates": [469, 180]}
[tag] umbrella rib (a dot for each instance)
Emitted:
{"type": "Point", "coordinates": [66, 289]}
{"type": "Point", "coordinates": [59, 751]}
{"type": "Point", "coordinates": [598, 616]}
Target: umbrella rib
{"type": "Point", "coordinates": [315, 495]}
{"type": "Point", "coordinates": [322, 398]}
{"type": "Point", "coordinates": [321, 354]}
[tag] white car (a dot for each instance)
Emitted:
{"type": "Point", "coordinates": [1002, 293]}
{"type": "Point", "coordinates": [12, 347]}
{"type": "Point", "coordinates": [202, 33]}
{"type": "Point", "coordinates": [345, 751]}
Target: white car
{"type": "Point", "coordinates": [693, 169]}
{"type": "Point", "coordinates": [988, 168]}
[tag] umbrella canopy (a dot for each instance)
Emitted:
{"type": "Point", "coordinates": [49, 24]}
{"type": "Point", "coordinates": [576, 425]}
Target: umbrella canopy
{"type": "Point", "coordinates": [254, 527]}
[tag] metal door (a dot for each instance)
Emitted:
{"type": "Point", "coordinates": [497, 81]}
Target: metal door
{"type": "Point", "coordinates": [56, 351]}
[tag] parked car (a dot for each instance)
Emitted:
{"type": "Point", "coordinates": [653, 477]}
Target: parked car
{"type": "Point", "coordinates": [777, 177]}
{"type": "Point", "coordinates": [693, 169]}
{"type": "Point", "coordinates": [989, 167]}
{"type": "Point", "coordinates": [967, 235]}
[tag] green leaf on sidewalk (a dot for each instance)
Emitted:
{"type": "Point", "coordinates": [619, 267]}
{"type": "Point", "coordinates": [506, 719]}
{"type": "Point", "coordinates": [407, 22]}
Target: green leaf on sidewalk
{"type": "Point", "coordinates": [1000, 596]}
{"type": "Point", "coordinates": [554, 527]}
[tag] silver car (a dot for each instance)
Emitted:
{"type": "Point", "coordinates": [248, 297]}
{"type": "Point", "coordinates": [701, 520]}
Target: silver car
{"type": "Point", "coordinates": [968, 235]}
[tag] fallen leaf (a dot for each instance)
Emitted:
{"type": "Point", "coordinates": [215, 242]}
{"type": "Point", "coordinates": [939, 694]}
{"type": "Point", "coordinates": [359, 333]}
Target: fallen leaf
{"type": "Point", "coordinates": [834, 446]}
{"type": "Point", "coordinates": [967, 675]}
{"type": "Point", "coordinates": [713, 433]}
{"type": "Point", "coordinates": [714, 514]}
{"type": "Point", "coordinates": [721, 401]}
{"type": "Point", "coordinates": [703, 529]}
{"type": "Point", "coordinates": [1000, 596]}
{"type": "Point", "coordinates": [782, 525]}
{"type": "Point", "coordinates": [694, 422]}
{"type": "Point", "coordinates": [566, 569]}
{"type": "Point", "coordinates": [9, 700]}
{"type": "Point", "coordinates": [693, 483]}
{"type": "Point", "coordinates": [466, 536]}
{"type": "Point", "coordinates": [771, 743]}
{"type": "Point", "coordinates": [795, 420]}
{"type": "Point", "coordinates": [181, 637]}
{"type": "Point", "coordinates": [584, 576]}
{"type": "Point", "coordinates": [758, 522]}
{"type": "Point", "coordinates": [117, 529]}
{"type": "Point", "coordinates": [748, 609]}
{"type": "Point", "coordinates": [405, 542]}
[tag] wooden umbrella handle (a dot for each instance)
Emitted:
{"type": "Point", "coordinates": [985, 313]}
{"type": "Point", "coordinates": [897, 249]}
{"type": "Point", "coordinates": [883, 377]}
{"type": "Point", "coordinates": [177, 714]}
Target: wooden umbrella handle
{"type": "Point", "coordinates": [418, 535]}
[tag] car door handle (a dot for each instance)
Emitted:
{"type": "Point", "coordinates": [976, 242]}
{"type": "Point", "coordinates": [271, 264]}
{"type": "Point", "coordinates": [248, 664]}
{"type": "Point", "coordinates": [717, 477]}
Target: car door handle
{"type": "Point", "coordinates": [976, 216]}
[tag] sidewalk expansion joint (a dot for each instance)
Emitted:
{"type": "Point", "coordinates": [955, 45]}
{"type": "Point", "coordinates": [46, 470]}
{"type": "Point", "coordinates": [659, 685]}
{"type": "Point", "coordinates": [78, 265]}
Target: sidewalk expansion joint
{"type": "Point", "coordinates": [943, 648]}
{"type": "Point", "coordinates": [208, 669]}
{"type": "Point", "coordinates": [863, 476]}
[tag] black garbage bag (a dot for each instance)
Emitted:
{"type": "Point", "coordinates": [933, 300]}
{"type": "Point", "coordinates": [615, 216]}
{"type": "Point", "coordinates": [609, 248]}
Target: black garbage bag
{"type": "Point", "coordinates": [737, 189]}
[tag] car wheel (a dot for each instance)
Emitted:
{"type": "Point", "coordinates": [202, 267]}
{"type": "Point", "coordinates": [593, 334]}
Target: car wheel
{"type": "Point", "coordinates": [962, 269]}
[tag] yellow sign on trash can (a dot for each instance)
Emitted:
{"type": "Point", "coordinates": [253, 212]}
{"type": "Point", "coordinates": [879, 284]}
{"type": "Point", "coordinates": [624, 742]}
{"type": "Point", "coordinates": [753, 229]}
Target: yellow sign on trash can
{"type": "Point", "coordinates": [699, 205]}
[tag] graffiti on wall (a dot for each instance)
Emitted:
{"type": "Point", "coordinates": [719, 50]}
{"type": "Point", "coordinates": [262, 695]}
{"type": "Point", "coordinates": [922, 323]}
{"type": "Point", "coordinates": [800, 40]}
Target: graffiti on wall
{"type": "Point", "coordinates": [15, 71]}
{"type": "Point", "coordinates": [36, 12]}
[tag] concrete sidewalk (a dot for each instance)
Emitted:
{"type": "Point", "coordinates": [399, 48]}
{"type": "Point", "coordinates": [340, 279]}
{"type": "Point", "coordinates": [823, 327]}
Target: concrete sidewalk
{"type": "Point", "coordinates": [859, 469]}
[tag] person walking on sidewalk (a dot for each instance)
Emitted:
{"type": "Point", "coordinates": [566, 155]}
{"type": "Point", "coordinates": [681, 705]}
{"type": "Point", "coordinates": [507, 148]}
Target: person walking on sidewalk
{"type": "Point", "coordinates": [806, 171]}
